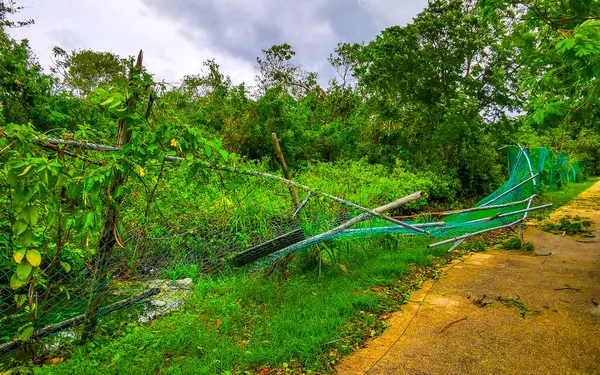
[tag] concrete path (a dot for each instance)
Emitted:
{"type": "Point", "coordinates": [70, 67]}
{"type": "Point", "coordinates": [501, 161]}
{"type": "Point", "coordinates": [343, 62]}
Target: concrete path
{"type": "Point", "coordinates": [502, 312]}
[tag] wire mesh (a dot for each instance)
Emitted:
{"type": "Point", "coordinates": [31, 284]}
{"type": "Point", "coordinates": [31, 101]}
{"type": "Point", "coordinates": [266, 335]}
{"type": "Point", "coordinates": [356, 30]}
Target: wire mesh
{"type": "Point", "coordinates": [181, 229]}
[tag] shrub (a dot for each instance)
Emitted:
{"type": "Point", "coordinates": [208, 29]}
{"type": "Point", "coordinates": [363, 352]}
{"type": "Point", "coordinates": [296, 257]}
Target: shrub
{"type": "Point", "coordinates": [367, 184]}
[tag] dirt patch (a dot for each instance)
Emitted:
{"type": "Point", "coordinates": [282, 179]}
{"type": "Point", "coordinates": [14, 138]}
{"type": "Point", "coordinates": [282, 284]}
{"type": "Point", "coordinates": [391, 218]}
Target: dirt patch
{"type": "Point", "coordinates": [539, 313]}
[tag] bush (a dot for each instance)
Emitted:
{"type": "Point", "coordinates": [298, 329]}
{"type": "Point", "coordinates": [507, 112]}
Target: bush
{"type": "Point", "coordinates": [369, 185]}
{"type": "Point", "coordinates": [568, 225]}
{"type": "Point", "coordinates": [515, 243]}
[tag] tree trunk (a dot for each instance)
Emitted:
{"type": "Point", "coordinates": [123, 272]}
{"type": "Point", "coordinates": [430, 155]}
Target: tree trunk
{"type": "Point", "coordinates": [109, 228]}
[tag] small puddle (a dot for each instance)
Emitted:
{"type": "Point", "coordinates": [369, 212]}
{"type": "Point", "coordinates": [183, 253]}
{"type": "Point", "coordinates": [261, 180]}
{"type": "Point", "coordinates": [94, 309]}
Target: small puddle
{"type": "Point", "coordinates": [173, 294]}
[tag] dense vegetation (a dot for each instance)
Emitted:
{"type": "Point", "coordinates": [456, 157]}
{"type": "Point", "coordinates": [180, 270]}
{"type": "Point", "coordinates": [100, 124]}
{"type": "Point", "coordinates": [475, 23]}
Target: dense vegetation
{"type": "Point", "coordinates": [424, 106]}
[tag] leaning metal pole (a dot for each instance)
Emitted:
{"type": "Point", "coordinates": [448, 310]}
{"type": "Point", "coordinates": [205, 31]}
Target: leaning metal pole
{"type": "Point", "coordinates": [342, 227]}
{"type": "Point", "coordinates": [465, 236]}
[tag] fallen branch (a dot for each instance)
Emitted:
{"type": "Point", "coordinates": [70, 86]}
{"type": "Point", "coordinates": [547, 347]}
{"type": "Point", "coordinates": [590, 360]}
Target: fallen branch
{"type": "Point", "coordinates": [452, 323]}
{"type": "Point", "coordinates": [568, 288]}
{"type": "Point", "coordinates": [480, 303]}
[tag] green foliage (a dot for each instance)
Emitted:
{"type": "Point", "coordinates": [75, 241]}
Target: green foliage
{"type": "Point", "coordinates": [568, 225]}
{"type": "Point", "coordinates": [559, 46]}
{"type": "Point", "coordinates": [421, 107]}
{"type": "Point", "coordinates": [248, 324]}
{"type": "Point", "coordinates": [475, 246]}
{"type": "Point", "coordinates": [22, 87]}
{"type": "Point", "coordinates": [366, 184]}
{"type": "Point", "coordinates": [61, 209]}
{"type": "Point", "coordinates": [516, 303]}
{"type": "Point", "coordinates": [80, 72]}
{"type": "Point", "coordinates": [515, 243]}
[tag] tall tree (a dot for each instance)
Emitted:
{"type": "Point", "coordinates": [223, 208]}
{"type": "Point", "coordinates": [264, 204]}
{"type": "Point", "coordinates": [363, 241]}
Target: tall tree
{"type": "Point", "coordinates": [277, 70]}
{"type": "Point", "coordinates": [345, 60]}
{"type": "Point", "coordinates": [7, 9]}
{"type": "Point", "coordinates": [81, 72]}
{"type": "Point", "coordinates": [559, 67]}
{"type": "Point", "coordinates": [438, 77]}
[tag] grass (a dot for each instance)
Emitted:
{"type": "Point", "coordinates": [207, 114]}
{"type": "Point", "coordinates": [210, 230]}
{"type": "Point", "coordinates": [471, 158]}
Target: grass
{"type": "Point", "coordinates": [561, 196]}
{"type": "Point", "coordinates": [567, 192]}
{"type": "Point", "coordinates": [306, 321]}
{"type": "Point", "coordinates": [242, 325]}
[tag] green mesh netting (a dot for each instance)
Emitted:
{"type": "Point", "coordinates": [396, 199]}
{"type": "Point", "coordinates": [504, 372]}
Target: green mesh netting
{"type": "Point", "coordinates": [529, 171]}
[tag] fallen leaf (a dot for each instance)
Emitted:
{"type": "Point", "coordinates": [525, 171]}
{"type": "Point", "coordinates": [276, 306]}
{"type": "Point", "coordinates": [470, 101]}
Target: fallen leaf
{"type": "Point", "coordinates": [53, 361]}
{"type": "Point", "coordinates": [219, 322]}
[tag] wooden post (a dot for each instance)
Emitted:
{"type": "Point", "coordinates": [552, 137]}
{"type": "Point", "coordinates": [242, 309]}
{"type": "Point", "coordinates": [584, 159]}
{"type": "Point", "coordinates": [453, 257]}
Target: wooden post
{"type": "Point", "coordinates": [286, 172]}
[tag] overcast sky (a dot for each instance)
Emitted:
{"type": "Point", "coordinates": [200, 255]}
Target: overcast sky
{"type": "Point", "coordinates": [177, 36]}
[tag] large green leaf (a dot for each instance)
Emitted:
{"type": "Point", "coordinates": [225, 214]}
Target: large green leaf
{"type": "Point", "coordinates": [26, 237]}
{"type": "Point", "coordinates": [30, 214]}
{"type": "Point", "coordinates": [24, 270]}
{"type": "Point", "coordinates": [19, 227]}
{"type": "Point", "coordinates": [15, 282]}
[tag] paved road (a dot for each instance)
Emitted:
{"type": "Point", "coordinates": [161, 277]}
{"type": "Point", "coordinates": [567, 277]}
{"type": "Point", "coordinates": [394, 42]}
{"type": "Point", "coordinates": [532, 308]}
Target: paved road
{"type": "Point", "coordinates": [538, 316]}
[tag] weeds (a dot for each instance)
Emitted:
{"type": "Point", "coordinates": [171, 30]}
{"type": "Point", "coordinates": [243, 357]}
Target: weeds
{"type": "Point", "coordinates": [571, 226]}
{"type": "Point", "coordinates": [516, 303]}
{"type": "Point", "coordinates": [515, 243]}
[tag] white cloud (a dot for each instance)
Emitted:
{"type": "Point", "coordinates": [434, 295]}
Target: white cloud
{"type": "Point", "coordinates": [386, 13]}
{"type": "Point", "coordinates": [177, 36]}
{"type": "Point", "coordinates": [123, 27]}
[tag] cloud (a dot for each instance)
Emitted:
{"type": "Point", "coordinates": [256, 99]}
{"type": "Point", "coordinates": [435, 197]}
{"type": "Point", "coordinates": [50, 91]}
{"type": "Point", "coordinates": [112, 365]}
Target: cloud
{"type": "Point", "coordinates": [177, 36]}
{"type": "Point", "coordinates": [123, 27]}
{"type": "Point", "coordinates": [242, 28]}
{"type": "Point", "coordinates": [385, 13]}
